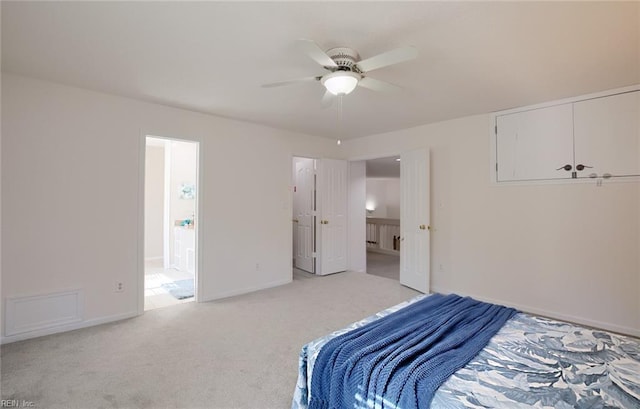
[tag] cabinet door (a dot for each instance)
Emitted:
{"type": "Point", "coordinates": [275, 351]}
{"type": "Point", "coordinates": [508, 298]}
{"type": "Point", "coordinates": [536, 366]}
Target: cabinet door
{"type": "Point", "coordinates": [189, 252]}
{"type": "Point", "coordinates": [607, 132]}
{"type": "Point", "coordinates": [177, 247]}
{"type": "Point", "coordinates": [532, 145]}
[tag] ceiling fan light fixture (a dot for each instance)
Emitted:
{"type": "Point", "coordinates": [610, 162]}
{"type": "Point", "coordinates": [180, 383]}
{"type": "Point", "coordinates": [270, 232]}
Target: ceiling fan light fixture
{"type": "Point", "coordinates": [340, 82]}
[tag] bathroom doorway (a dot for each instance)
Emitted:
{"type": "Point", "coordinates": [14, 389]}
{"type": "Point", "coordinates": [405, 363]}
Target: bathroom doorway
{"type": "Point", "coordinates": [171, 221]}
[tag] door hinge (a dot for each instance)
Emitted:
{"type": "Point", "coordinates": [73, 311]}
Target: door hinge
{"type": "Point", "coordinates": [495, 129]}
{"type": "Point", "coordinates": [496, 167]}
{"type": "Point", "coordinates": [314, 254]}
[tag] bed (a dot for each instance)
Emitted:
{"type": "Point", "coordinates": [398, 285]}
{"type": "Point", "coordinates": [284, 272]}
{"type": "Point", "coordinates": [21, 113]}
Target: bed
{"type": "Point", "coordinates": [529, 362]}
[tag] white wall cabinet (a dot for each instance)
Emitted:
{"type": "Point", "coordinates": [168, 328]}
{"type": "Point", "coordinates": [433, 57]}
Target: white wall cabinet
{"type": "Point", "coordinates": [607, 133]}
{"type": "Point", "coordinates": [533, 144]}
{"type": "Point", "coordinates": [595, 137]}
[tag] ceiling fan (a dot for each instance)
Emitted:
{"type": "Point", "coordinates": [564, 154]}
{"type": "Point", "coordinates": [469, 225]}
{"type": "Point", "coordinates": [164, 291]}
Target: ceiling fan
{"type": "Point", "coordinates": [347, 71]}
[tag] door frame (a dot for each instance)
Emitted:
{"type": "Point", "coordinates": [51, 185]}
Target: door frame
{"type": "Point", "coordinates": [357, 213]}
{"type": "Point", "coordinates": [316, 235]}
{"type": "Point", "coordinates": [198, 281]}
{"type": "Point", "coordinates": [313, 231]}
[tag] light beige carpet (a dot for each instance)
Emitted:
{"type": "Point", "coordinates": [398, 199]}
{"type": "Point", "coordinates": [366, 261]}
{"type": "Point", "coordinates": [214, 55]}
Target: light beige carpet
{"type": "Point", "coordinates": [240, 352]}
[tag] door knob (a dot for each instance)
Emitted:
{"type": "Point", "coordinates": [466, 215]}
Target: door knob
{"type": "Point", "coordinates": [581, 167]}
{"type": "Point", "coordinates": [295, 220]}
{"type": "Point", "coordinates": [566, 167]}
{"type": "Point", "coordinates": [422, 227]}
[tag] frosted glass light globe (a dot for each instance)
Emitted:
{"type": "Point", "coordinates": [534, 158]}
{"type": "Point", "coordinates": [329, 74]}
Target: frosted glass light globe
{"type": "Point", "coordinates": [340, 82]}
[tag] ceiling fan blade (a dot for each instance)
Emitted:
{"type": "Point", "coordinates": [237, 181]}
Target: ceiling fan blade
{"type": "Point", "coordinates": [316, 53]}
{"type": "Point", "coordinates": [377, 85]}
{"type": "Point", "coordinates": [327, 99]}
{"type": "Point", "coordinates": [289, 82]}
{"type": "Point", "coordinates": [389, 58]}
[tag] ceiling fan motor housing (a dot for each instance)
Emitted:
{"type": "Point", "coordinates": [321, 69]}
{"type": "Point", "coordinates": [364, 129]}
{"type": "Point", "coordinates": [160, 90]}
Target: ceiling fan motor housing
{"type": "Point", "coordinates": [345, 58]}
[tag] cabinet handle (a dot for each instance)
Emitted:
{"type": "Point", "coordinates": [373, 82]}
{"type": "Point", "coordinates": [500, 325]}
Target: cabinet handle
{"type": "Point", "coordinates": [581, 167]}
{"type": "Point", "coordinates": [566, 167]}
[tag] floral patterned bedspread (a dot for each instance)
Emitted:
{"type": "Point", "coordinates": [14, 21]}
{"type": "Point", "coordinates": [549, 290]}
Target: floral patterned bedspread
{"type": "Point", "coordinates": [532, 362]}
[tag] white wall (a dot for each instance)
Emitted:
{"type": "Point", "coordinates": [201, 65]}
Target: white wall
{"type": "Point", "coordinates": [154, 202]}
{"type": "Point", "coordinates": [72, 219]}
{"type": "Point", "coordinates": [384, 195]}
{"type": "Point", "coordinates": [565, 250]}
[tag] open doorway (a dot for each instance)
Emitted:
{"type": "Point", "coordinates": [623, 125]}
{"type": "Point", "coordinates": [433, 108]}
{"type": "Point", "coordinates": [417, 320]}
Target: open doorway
{"type": "Point", "coordinates": [170, 215]}
{"type": "Point", "coordinates": [412, 244]}
{"type": "Point", "coordinates": [383, 217]}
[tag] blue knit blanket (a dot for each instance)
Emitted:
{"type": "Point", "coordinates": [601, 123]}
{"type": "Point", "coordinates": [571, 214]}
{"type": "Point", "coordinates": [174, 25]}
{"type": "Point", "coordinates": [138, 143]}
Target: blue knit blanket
{"type": "Point", "coordinates": [400, 360]}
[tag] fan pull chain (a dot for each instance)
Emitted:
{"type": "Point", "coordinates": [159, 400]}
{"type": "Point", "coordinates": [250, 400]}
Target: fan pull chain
{"type": "Point", "coordinates": [339, 118]}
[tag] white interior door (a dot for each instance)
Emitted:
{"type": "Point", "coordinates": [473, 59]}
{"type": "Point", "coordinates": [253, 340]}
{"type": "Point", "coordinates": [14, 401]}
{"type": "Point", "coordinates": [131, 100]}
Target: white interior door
{"type": "Point", "coordinates": [414, 220]}
{"type": "Point", "coordinates": [303, 206]}
{"type": "Point", "coordinates": [331, 220]}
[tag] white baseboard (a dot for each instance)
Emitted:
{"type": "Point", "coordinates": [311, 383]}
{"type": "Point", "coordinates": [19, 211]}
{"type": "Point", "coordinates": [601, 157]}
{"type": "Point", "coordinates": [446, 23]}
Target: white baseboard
{"type": "Point", "coordinates": [64, 328]}
{"type": "Point", "coordinates": [246, 290]}
{"type": "Point", "coordinates": [551, 314]}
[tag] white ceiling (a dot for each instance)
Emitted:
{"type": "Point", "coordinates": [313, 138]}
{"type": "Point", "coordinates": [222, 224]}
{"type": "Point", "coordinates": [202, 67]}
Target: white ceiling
{"type": "Point", "coordinates": [474, 57]}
